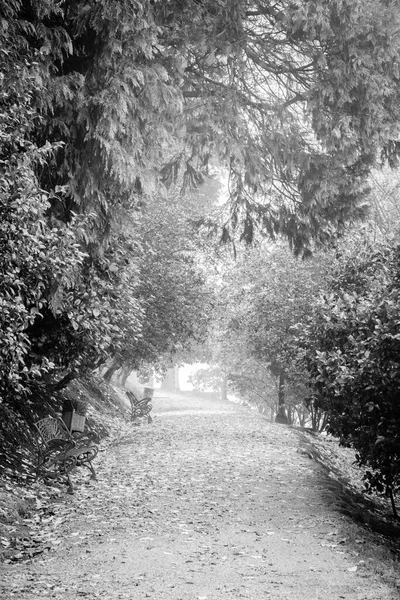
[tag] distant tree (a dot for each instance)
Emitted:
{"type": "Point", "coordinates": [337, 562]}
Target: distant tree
{"type": "Point", "coordinates": [171, 286]}
{"type": "Point", "coordinates": [262, 296]}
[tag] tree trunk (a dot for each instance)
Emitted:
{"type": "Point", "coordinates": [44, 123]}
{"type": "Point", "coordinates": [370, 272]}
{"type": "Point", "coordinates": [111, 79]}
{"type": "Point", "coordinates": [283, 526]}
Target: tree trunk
{"type": "Point", "coordinates": [281, 416]}
{"type": "Point", "coordinates": [290, 415]}
{"type": "Point", "coordinates": [114, 366]}
{"type": "Point", "coordinates": [64, 381]}
{"type": "Point", "coordinates": [123, 376]}
{"type": "Point", "coordinates": [224, 388]}
{"type": "Point", "coordinates": [170, 382]}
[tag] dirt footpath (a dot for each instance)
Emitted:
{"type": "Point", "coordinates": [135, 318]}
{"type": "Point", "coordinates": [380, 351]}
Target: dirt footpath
{"type": "Point", "coordinates": [210, 502]}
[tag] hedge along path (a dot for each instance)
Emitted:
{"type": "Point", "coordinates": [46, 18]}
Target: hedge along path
{"type": "Point", "coordinates": [210, 502]}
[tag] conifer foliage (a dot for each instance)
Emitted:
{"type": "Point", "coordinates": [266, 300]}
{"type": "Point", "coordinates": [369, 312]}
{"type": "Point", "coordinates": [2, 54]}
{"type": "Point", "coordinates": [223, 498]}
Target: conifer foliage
{"type": "Point", "coordinates": [296, 98]}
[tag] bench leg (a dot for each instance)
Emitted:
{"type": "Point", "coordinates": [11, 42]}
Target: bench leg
{"type": "Point", "coordinates": [83, 457]}
{"type": "Point", "coordinates": [70, 489]}
{"type": "Point", "coordinates": [57, 467]}
{"type": "Point", "coordinates": [93, 475]}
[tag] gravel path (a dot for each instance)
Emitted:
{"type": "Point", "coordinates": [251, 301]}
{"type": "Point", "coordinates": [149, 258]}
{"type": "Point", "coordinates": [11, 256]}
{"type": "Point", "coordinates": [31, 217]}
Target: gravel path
{"type": "Point", "coordinates": [210, 502]}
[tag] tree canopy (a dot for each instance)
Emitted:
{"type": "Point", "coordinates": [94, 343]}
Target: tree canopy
{"type": "Point", "coordinates": [296, 99]}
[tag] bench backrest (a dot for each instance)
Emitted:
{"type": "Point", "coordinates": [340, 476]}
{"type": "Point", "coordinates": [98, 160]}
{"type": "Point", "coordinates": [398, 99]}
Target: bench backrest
{"type": "Point", "coordinates": [51, 429]}
{"type": "Point", "coordinates": [133, 399]}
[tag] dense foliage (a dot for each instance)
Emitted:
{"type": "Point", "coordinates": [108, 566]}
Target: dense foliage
{"type": "Point", "coordinates": [80, 279]}
{"type": "Point", "coordinates": [296, 98]}
{"type": "Point", "coordinates": [352, 356]}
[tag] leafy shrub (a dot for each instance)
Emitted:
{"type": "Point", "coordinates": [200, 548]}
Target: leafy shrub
{"type": "Point", "coordinates": [353, 361]}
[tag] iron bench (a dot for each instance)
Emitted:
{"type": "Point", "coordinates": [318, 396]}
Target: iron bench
{"type": "Point", "coordinates": [139, 407]}
{"type": "Point", "coordinates": [58, 451]}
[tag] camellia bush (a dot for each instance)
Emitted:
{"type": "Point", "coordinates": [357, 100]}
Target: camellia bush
{"type": "Point", "coordinates": [352, 356]}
